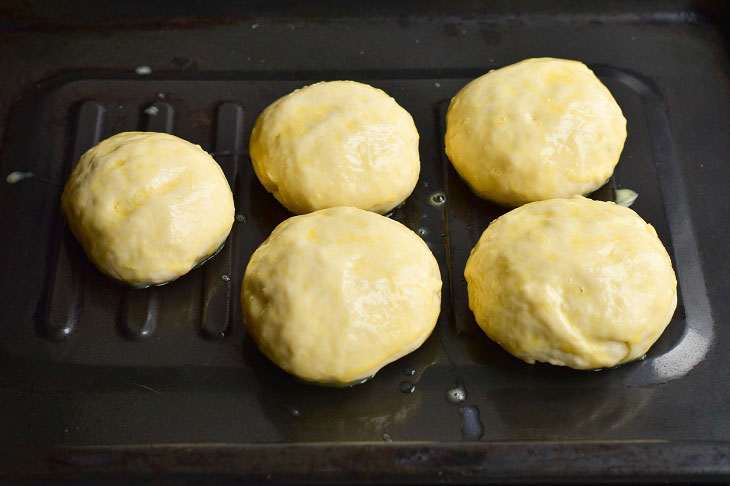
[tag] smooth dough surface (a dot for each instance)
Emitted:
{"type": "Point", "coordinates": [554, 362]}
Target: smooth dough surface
{"type": "Point", "coordinates": [335, 295]}
{"type": "Point", "coordinates": [535, 130]}
{"type": "Point", "coordinates": [572, 282]}
{"type": "Point", "coordinates": [337, 143]}
{"type": "Point", "coordinates": [147, 207]}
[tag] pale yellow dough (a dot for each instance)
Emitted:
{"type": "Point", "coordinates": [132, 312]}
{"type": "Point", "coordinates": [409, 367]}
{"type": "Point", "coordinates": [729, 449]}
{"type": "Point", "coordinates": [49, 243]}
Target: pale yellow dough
{"type": "Point", "coordinates": [335, 295]}
{"type": "Point", "coordinates": [147, 207]}
{"type": "Point", "coordinates": [337, 143]}
{"type": "Point", "coordinates": [572, 282]}
{"type": "Point", "coordinates": [538, 129]}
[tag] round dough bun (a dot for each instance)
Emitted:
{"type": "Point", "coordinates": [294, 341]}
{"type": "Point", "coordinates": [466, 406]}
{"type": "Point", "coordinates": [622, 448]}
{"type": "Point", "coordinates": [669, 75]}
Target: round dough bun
{"type": "Point", "coordinates": [572, 282]}
{"type": "Point", "coordinates": [535, 130]}
{"type": "Point", "coordinates": [148, 207]}
{"type": "Point", "coordinates": [335, 295]}
{"type": "Point", "coordinates": [337, 143]}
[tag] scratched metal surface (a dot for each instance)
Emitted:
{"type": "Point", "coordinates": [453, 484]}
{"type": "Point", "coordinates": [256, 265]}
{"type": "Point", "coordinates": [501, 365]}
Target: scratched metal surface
{"type": "Point", "coordinates": [87, 362]}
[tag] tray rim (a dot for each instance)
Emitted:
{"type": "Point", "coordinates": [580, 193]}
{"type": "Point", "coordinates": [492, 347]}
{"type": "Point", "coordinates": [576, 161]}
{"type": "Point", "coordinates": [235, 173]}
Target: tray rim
{"type": "Point", "coordinates": [404, 462]}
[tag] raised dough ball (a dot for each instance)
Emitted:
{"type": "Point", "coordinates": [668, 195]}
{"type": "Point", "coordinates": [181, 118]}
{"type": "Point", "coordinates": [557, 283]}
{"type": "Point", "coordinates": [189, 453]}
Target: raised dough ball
{"type": "Point", "coordinates": [335, 295]}
{"type": "Point", "coordinates": [572, 282]}
{"type": "Point", "coordinates": [147, 207]}
{"type": "Point", "coordinates": [337, 143]}
{"type": "Point", "coordinates": [538, 129]}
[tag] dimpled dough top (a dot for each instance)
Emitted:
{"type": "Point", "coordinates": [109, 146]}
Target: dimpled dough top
{"type": "Point", "coordinates": [147, 207]}
{"type": "Point", "coordinates": [335, 295]}
{"type": "Point", "coordinates": [337, 143]}
{"type": "Point", "coordinates": [572, 282]}
{"type": "Point", "coordinates": [538, 129]}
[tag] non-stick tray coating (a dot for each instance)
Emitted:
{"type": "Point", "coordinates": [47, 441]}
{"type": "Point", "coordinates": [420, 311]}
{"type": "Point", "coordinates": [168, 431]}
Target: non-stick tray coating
{"type": "Point", "coordinates": [99, 378]}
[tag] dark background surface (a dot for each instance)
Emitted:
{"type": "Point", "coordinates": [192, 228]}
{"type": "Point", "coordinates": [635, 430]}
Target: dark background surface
{"type": "Point", "coordinates": [179, 403]}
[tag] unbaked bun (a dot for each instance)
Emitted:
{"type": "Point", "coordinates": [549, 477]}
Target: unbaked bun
{"type": "Point", "coordinates": [337, 143]}
{"type": "Point", "coordinates": [147, 207]}
{"type": "Point", "coordinates": [572, 282]}
{"type": "Point", "coordinates": [538, 129]}
{"type": "Point", "coordinates": [335, 295]}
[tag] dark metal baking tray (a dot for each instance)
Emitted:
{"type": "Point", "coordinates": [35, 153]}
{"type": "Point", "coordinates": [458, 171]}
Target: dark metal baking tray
{"type": "Point", "coordinates": [96, 379]}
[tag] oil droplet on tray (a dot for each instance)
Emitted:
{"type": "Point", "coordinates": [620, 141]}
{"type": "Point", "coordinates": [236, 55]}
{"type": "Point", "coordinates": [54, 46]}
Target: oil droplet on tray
{"type": "Point", "coordinates": [438, 199]}
{"type": "Point", "coordinates": [409, 372]}
{"type": "Point", "coordinates": [456, 395]}
{"type": "Point", "coordinates": [225, 278]}
{"type": "Point", "coordinates": [471, 424]}
{"type": "Point", "coordinates": [356, 382]}
{"type": "Point", "coordinates": [626, 197]}
{"type": "Point", "coordinates": [387, 437]}
{"type": "Point", "coordinates": [422, 231]}
{"type": "Point", "coordinates": [407, 387]}
{"type": "Point", "coordinates": [18, 176]}
{"type": "Point", "coordinates": [240, 218]}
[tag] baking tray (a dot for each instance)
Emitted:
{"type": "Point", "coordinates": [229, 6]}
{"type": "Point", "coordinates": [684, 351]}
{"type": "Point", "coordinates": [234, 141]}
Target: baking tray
{"type": "Point", "coordinates": [96, 379]}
